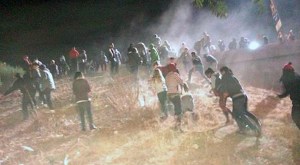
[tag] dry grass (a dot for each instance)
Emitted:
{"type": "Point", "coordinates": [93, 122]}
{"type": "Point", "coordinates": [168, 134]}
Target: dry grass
{"type": "Point", "coordinates": [130, 131]}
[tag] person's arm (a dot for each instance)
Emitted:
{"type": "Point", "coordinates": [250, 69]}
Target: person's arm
{"type": "Point", "coordinates": [178, 79]}
{"type": "Point", "coordinates": [283, 95]}
{"type": "Point", "coordinates": [14, 87]}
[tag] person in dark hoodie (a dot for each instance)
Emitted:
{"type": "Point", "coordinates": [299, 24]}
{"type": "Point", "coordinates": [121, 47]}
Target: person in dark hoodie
{"type": "Point", "coordinates": [216, 88]}
{"type": "Point", "coordinates": [291, 84]}
{"type": "Point", "coordinates": [81, 90]}
{"type": "Point", "coordinates": [28, 91]}
{"type": "Point", "coordinates": [231, 87]}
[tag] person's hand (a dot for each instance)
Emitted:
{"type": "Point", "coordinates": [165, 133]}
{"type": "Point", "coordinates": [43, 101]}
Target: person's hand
{"type": "Point", "coordinates": [185, 87]}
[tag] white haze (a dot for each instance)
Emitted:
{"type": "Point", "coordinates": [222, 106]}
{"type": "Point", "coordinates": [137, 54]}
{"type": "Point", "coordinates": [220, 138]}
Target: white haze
{"type": "Point", "coordinates": [180, 24]}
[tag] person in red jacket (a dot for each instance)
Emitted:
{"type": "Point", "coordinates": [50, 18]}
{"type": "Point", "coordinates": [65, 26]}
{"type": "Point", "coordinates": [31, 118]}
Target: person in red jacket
{"type": "Point", "coordinates": [81, 90]}
{"type": "Point", "coordinates": [73, 55]}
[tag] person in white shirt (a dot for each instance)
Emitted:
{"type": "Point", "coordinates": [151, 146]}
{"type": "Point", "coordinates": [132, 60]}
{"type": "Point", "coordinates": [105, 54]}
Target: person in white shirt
{"type": "Point", "coordinates": [173, 82]}
{"type": "Point", "coordinates": [158, 86]}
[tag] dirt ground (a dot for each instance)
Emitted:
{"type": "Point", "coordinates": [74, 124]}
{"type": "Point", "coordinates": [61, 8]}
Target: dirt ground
{"type": "Point", "coordinates": [130, 132]}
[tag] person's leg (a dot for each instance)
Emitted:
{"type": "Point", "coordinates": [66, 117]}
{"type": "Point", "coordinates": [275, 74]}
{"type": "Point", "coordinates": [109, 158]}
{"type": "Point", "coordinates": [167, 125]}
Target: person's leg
{"type": "Point", "coordinates": [105, 67]}
{"type": "Point", "coordinates": [90, 114]}
{"type": "Point", "coordinates": [238, 111]}
{"type": "Point", "coordinates": [42, 97]}
{"type": "Point", "coordinates": [162, 97]}
{"type": "Point", "coordinates": [102, 67]}
{"type": "Point", "coordinates": [81, 109]}
{"type": "Point", "coordinates": [200, 69]}
{"type": "Point", "coordinates": [48, 98]}
{"type": "Point", "coordinates": [117, 68]}
{"type": "Point", "coordinates": [296, 115]}
{"type": "Point", "coordinates": [226, 111]}
{"type": "Point", "coordinates": [190, 75]}
{"type": "Point", "coordinates": [25, 101]}
{"type": "Point", "coordinates": [177, 107]}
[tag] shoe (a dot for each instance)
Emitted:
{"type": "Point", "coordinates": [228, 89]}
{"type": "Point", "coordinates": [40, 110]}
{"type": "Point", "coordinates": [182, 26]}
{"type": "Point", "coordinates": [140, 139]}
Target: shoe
{"type": "Point", "coordinates": [242, 132]}
{"type": "Point", "coordinates": [92, 126]}
{"type": "Point", "coordinates": [163, 118]}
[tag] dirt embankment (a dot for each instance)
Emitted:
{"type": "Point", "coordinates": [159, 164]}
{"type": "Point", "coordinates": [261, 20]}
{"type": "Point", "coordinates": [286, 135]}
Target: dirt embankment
{"type": "Point", "coordinates": [262, 67]}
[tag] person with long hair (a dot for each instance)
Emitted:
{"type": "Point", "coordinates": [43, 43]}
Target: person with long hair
{"type": "Point", "coordinates": [81, 90]}
{"type": "Point", "coordinates": [291, 84]}
{"type": "Point", "coordinates": [232, 88]}
{"type": "Point", "coordinates": [159, 87]}
{"type": "Point", "coordinates": [216, 88]}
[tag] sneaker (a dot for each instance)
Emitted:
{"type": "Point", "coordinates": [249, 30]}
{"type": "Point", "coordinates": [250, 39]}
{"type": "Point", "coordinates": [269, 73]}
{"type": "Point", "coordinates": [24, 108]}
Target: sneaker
{"type": "Point", "coordinates": [92, 126]}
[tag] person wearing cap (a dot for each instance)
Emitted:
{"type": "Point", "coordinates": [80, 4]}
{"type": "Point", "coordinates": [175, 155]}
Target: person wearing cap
{"type": "Point", "coordinates": [232, 88]}
{"type": "Point", "coordinates": [47, 85]}
{"type": "Point", "coordinates": [173, 81]}
{"type": "Point", "coordinates": [291, 84]}
{"type": "Point", "coordinates": [27, 90]}
{"type": "Point", "coordinates": [216, 88]}
{"type": "Point", "coordinates": [81, 90]}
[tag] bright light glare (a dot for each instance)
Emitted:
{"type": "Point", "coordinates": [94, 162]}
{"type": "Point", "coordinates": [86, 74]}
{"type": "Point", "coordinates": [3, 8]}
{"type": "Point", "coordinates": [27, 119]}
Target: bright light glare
{"type": "Point", "coordinates": [253, 45]}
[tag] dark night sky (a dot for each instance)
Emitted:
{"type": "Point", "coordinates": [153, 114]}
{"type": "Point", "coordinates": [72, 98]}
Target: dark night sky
{"type": "Point", "coordinates": [49, 28]}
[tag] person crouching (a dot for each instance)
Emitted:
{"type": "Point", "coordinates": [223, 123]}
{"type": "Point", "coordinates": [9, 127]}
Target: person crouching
{"type": "Point", "coordinates": [81, 90]}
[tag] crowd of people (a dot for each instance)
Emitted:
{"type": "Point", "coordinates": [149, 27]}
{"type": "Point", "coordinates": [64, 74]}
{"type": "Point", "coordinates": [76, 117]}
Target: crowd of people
{"type": "Point", "coordinates": [166, 82]}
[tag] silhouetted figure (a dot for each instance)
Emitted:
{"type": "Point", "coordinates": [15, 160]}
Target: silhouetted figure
{"type": "Point", "coordinates": [154, 54]}
{"type": "Point", "coordinates": [73, 55]}
{"type": "Point", "coordinates": [232, 45]}
{"type": "Point", "coordinates": [156, 41]}
{"type": "Point", "coordinates": [291, 36]}
{"type": "Point", "coordinates": [130, 48]}
{"type": "Point", "coordinates": [231, 87]}
{"type": "Point", "coordinates": [47, 85]}
{"type": "Point", "coordinates": [63, 66]}
{"type": "Point", "coordinates": [142, 49]}
{"type": "Point", "coordinates": [26, 63]}
{"type": "Point", "coordinates": [216, 88]}
{"type": "Point", "coordinates": [243, 43]}
{"type": "Point", "coordinates": [81, 90]}
{"type": "Point", "coordinates": [197, 66]}
{"type": "Point", "coordinates": [82, 61]}
{"type": "Point", "coordinates": [27, 90]}
{"type": "Point", "coordinates": [291, 84]}
{"type": "Point", "coordinates": [113, 59]}
{"type": "Point", "coordinates": [53, 69]}
{"type": "Point", "coordinates": [266, 40]}
{"type": "Point", "coordinates": [101, 61]}
{"type": "Point", "coordinates": [134, 60]}
{"type": "Point", "coordinates": [221, 45]}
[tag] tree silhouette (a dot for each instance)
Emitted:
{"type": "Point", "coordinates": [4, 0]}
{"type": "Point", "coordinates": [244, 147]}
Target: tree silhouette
{"type": "Point", "coordinates": [220, 7]}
